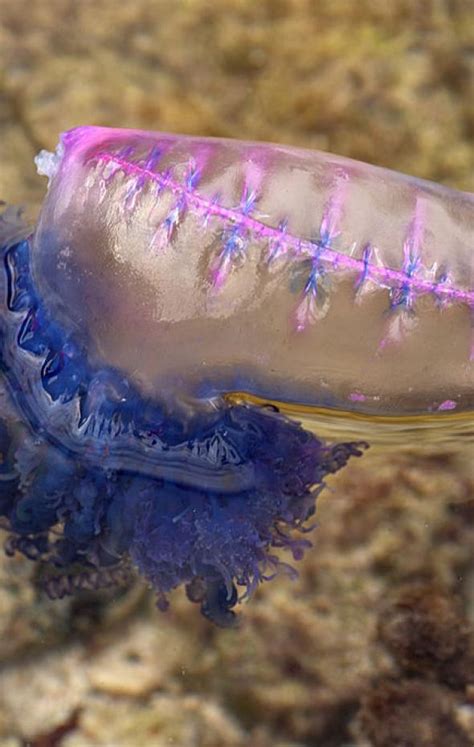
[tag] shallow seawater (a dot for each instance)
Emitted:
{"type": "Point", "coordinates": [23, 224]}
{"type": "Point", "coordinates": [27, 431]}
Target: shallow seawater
{"type": "Point", "coordinates": [372, 645]}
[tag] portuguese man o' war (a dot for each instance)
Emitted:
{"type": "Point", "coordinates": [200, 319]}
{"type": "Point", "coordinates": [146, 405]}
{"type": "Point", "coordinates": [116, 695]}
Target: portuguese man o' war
{"type": "Point", "coordinates": [175, 295]}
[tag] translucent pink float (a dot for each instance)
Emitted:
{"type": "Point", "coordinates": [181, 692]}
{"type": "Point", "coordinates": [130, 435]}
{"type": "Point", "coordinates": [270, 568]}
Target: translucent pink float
{"type": "Point", "coordinates": [294, 275]}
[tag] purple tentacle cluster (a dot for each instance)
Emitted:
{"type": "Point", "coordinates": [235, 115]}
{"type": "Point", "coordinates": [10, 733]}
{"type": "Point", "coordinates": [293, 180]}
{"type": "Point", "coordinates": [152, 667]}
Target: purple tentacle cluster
{"type": "Point", "coordinates": [94, 477]}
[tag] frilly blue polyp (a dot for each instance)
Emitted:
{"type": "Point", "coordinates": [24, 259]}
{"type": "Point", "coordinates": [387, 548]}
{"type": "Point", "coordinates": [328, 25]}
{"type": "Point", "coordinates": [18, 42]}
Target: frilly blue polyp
{"type": "Point", "coordinates": [96, 479]}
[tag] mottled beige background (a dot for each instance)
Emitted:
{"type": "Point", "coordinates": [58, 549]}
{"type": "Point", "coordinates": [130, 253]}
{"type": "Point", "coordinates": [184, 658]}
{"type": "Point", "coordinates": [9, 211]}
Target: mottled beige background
{"type": "Point", "coordinates": [371, 647]}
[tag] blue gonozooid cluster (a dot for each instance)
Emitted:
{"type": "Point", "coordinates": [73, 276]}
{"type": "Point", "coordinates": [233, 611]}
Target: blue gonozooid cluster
{"type": "Point", "coordinates": [95, 480]}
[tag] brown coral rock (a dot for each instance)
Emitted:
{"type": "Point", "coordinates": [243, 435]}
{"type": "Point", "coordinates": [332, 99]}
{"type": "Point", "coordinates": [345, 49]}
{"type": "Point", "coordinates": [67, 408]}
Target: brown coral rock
{"type": "Point", "coordinates": [427, 634]}
{"type": "Point", "coordinates": [410, 713]}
